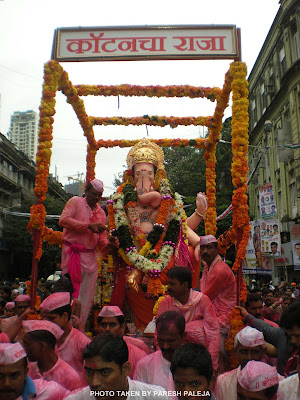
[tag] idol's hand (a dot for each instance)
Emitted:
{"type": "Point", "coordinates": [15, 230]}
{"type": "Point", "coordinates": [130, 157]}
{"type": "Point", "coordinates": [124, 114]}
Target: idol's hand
{"type": "Point", "coordinates": [134, 279]}
{"type": "Point", "coordinates": [201, 202]}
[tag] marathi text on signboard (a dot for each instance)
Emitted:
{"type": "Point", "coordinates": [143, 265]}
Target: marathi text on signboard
{"type": "Point", "coordinates": [157, 42]}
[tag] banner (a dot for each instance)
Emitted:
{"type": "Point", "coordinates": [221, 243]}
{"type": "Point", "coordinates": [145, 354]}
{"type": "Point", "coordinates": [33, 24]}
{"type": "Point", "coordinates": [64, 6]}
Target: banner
{"type": "Point", "coordinates": [250, 261]}
{"type": "Point", "coordinates": [270, 238]}
{"type": "Point", "coordinates": [267, 206]}
{"type": "Point", "coordinates": [296, 253]}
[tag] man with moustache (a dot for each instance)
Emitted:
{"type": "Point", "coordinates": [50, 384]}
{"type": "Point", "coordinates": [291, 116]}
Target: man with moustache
{"type": "Point", "coordinates": [155, 368]}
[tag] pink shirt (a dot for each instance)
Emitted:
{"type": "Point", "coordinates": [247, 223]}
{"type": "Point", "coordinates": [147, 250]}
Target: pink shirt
{"type": "Point", "coordinates": [4, 338]}
{"type": "Point", "coordinates": [201, 323]}
{"type": "Point", "coordinates": [134, 356]}
{"type": "Point", "coordinates": [71, 351]}
{"type": "Point", "coordinates": [61, 373]}
{"type": "Point", "coordinates": [136, 342]}
{"type": "Point", "coordinates": [155, 369]}
{"type": "Point", "coordinates": [218, 283]}
{"type": "Point", "coordinates": [49, 390]}
{"type": "Point", "coordinates": [75, 219]}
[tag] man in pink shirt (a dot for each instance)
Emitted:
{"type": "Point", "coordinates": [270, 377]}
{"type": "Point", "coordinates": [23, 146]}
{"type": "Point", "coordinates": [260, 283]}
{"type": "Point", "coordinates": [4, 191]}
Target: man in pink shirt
{"type": "Point", "coordinates": [56, 308]}
{"type": "Point", "coordinates": [217, 282]}
{"type": "Point", "coordinates": [39, 342]}
{"type": "Point", "coordinates": [83, 221]}
{"type": "Point", "coordinates": [22, 303]}
{"type": "Point", "coordinates": [201, 322]}
{"type": "Point", "coordinates": [15, 384]}
{"type": "Point", "coordinates": [111, 319]}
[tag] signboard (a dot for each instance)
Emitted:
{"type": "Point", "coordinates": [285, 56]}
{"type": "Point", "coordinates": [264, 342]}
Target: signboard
{"type": "Point", "coordinates": [146, 42]}
{"type": "Point", "coordinates": [267, 204]}
{"type": "Point", "coordinates": [270, 238]}
{"type": "Point", "coordinates": [286, 257]}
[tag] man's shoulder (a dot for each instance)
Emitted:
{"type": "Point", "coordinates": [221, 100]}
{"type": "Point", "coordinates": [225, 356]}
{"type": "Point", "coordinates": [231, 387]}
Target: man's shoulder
{"type": "Point", "coordinates": [49, 390]}
{"type": "Point", "coordinates": [151, 391]}
{"type": "Point", "coordinates": [149, 359]}
{"type": "Point", "coordinates": [80, 394]}
{"type": "Point", "coordinates": [227, 375]}
{"type": "Point", "coordinates": [80, 337]}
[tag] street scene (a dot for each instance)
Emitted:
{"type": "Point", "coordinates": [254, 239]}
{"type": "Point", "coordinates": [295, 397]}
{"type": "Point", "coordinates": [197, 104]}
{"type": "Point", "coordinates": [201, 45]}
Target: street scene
{"type": "Point", "coordinates": [149, 200]}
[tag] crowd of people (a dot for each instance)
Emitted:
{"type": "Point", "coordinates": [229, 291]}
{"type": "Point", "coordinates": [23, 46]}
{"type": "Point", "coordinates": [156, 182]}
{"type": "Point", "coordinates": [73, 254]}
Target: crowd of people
{"type": "Point", "coordinates": [50, 357]}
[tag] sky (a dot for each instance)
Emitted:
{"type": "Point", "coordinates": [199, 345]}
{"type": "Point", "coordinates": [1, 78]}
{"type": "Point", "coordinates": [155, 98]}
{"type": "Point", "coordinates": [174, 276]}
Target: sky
{"type": "Point", "coordinates": [26, 38]}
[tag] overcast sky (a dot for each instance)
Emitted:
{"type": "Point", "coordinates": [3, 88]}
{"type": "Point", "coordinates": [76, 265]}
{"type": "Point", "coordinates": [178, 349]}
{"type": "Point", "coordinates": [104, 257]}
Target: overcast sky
{"type": "Point", "coordinates": [26, 32]}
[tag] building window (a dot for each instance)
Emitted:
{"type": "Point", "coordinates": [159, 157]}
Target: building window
{"type": "Point", "coordinates": [253, 112]}
{"type": "Point", "coordinates": [282, 61]}
{"type": "Point", "coordinates": [263, 98]}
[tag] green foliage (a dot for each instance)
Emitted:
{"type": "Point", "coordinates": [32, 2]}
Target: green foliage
{"type": "Point", "coordinates": [18, 241]}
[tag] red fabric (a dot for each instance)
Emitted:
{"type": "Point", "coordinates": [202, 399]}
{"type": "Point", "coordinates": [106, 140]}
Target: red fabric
{"type": "Point", "coordinates": [141, 306]}
{"type": "Point", "coordinates": [119, 291]}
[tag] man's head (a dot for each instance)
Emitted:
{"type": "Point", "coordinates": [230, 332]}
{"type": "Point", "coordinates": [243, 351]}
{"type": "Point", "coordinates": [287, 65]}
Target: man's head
{"type": "Point", "coordinates": [179, 281]}
{"type": "Point", "coordinates": [268, 297]}
{"type": "Point", "coordinates": [297, 249]}
{"type": "Point", "coordinates": [13, 370]}
{"type": "Point", "coordinates": [22, 303]}
{"type": "Point", "coordinates": [106, 364]}
{"type": "Point", "coordinates": [93, 192]}
{"type": "Point", "coordinates": [9, 309]}
{"type": "Point", "coordinates": [275, 229]}
{"type": "Point", "coordinates": [56, 308]}
{"type": "Point", "coordinates": [192, 370]}
{"type": "Point", "coordinates": [40, 338]}
{"type": "Point", "coordinates": [274, 247]}
{"type": "Point", "coordinates": [286, 301]}
{"type": "Point", "coordinates": [170, 327]}
{"type": "Point", "coordinates": [249, 344]}
{"type": "Point", "coordinates": [5, 292]}
{"type": "Point", "coordinates": [111, 319]}
{"type": "Point", "coordinates": [254, 305]}
{"type": "Point", "coordinates": [289, 291]}
{"type": "Point", "coordinates": [290, 321]}
{"type": "Point", "coordinates": [208, 248]}
{"type": "Point", "coordinates": [257, 380]}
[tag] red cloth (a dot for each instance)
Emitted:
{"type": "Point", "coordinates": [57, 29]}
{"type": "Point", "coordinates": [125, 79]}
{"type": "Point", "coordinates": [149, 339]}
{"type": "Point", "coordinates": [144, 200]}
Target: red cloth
{"type": "Point", "coordinates": [218, 283]}
{"type": "Point", "coordinates": [201, 323]}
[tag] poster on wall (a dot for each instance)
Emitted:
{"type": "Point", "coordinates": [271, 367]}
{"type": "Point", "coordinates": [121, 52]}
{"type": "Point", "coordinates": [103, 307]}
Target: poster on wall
{"type": "Point", "coordinates": [270, 238]}
{"type": "Point", "coordinates": [267, 206]}
{"type": "Point", "coordinates": [250, 261]}
{"type": "Point", "coordinates": [296, 253]}
{"type": "Point", "coordinates": [266, 266]}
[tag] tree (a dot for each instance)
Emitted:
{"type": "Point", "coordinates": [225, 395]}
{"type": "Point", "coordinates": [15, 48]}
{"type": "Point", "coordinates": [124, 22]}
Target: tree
{"type": "Point", "coordinates": [18, 241]}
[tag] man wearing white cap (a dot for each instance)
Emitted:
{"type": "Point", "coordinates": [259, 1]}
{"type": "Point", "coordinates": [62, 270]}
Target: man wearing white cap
{"type": "Point", "coordinates": [257, 380]}
{"type": "Point", "coordinates": [249, 345]}
{"type": "Point", "coordinates": [217, 283]}
{"type": "Point", "coordinates": [22, 302]}
{"type": "Point", "coordinates": [39, 342]}
{"type": "Point", "coordinates": [70, 346]}
{"type": "Point", "coordinates": [111, 319]}
{"type": "Point", "coordinates": [83, 221]}
{"type": "Point", "coordinates": [15, 384]}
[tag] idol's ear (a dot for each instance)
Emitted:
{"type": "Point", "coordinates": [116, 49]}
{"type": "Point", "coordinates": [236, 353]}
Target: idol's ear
{"type": "Point", "coordinates": [160, 174]}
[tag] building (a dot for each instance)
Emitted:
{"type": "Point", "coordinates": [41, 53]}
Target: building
{"type": "Point", "coordinates": [23, 132]}
{"type": "Point", "coordinates": [274, 130]}
{"type": "Point", "coordinates": [17, 179]}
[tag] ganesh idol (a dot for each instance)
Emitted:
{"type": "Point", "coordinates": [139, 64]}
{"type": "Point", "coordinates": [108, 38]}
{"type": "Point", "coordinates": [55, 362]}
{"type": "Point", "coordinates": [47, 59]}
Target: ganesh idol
{"type": "Point", "coordinates": [154, 233]}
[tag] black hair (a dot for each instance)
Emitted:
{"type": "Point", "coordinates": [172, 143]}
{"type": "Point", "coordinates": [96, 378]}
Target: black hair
{"type": "Point", "coordinates": [64, 309]}
{"type": "Point", "coordinates": [182, 274]}
{"type": "Point", "coordinates": [171, 317]}
{"type": "Point", "coordinates": [88, 187]}
{"type": "Point", "coordinates": [272, 243]}
{"type": "Point", "coordinates": [252, 298]}
{"type": "Point", "coordinates": [120, 318]}
{"type": "Point", "coordinates": [6, 289]}
{"type": "Point", "coordinates": [109, 347]}
{"type": "Point", "coordinates": [291, 316]}
{"type": "Point", "coordinates": [266, 291]}
{"type": "Point", "coordinates": [43, 336]}
{"type": "Point", "coordinates": [63, 284]}
{"type": "Point", "coordinates": [193, 355]}
{"type": "Point", "coordinates": [255, 290]}
{"type": "Point", "coordinates": [271, 391]}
